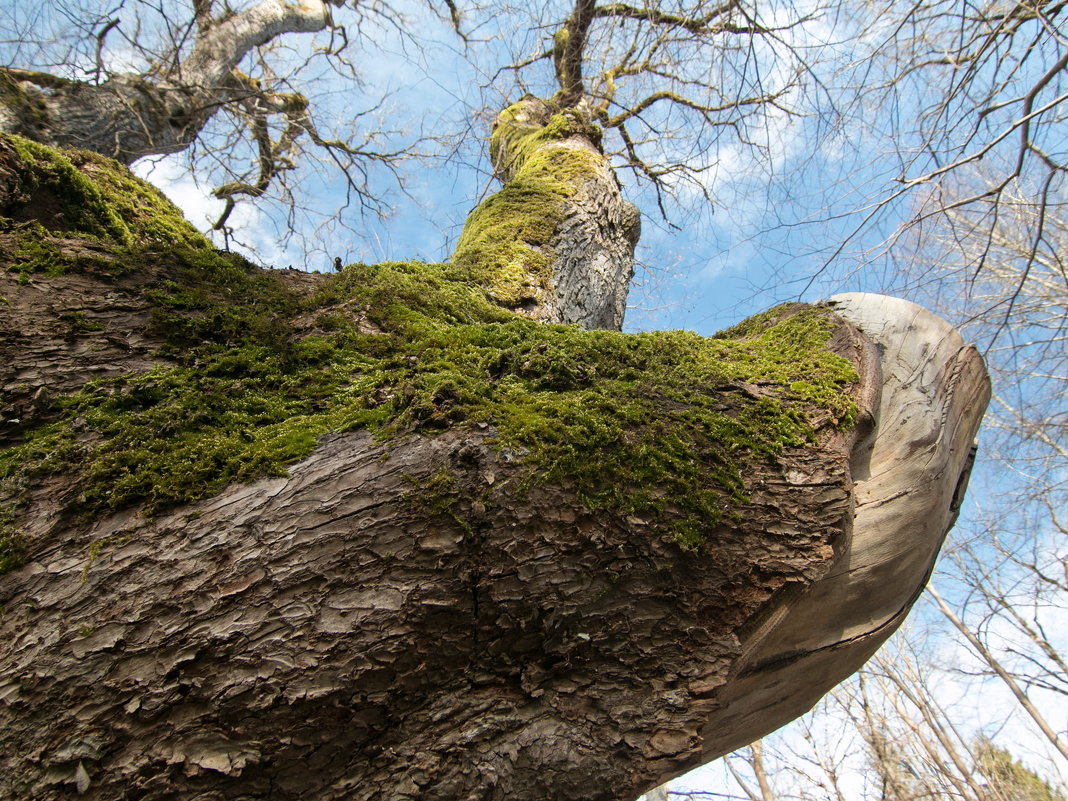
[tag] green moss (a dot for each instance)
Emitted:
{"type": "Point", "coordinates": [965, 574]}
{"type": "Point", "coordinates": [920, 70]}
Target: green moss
{"type": "Point", "coordinates": [514, 140]}
{"type": "Point", "coordinates": [28, 108]}
{"type": "Point", "coordinates": [34, 253]}
{"type": "Point", "coordinates": [439, 497]}
{"type": "Point", "coordinates": [81, 194]}
{"type": "Point", "coordinates": [506, 244]}
{"type": "Point", "coordinates": [152, 219]}
{"type": "Point", "coordinates": [95, 549]}
{"type": "Point", "coordinates": [644, 425]}
{"type": "Point", "coordinates": [80, 323]}
{"type": "Point", "coordinates": [83, 208]}
{"type": "Point", "coordinates": [35, 250]}
{"type": "Point", "coordinates": [214, 299]}
{"type": "Point", "coordinates": [660, 426]}
{"type": "Point", "coordinates": [11, 93]}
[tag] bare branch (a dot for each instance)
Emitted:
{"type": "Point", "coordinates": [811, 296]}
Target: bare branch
{"type": "Point", "coordinates": [702, 25]}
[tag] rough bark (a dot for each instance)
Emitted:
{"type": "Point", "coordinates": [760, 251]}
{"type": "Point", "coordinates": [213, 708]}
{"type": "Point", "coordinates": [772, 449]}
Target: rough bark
{"type": "Point", "coordinates": [326, 636]}
{"type": "Point", "coordinates": [347, 631]}
{"type": "Point", "coordinates": [129, 116]}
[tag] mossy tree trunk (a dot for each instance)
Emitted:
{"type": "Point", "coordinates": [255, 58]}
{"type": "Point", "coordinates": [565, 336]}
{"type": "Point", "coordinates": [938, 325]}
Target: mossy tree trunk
{"type": "Point", "coordinates": [372, 537]}
{"type": "Point", "coordinates": [556, 244]}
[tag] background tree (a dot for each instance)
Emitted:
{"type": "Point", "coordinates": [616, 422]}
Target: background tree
{"type": "Point", "coordinates": [142, 79]}
{"type": "Point", "coordinates": [1009, 778]}
{"type": "Point", "coordinates": [653, 90]}
{"type": "Point", "coordinates": [892, 733]}
{"type": "Point", "coordinates": [925, 95]}
{"type": "Point", "coordinates": [671, 84]}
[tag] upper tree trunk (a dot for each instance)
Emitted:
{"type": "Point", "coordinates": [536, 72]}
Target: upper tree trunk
{"type": "Point", "coordinates": [419, 616]}
{"type": "Point", "coordinates": [557, 242]}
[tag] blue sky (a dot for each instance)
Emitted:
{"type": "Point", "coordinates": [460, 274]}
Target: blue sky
{"type": "Point", "coordinates": [773, 224]}
{"type": "Point", "coordinates": [703, 275]}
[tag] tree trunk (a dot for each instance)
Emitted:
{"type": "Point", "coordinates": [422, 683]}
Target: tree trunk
{"type": "Point", "coordinates": [414, 616]}
{"type": "Point", "coordinates": [556, 244]}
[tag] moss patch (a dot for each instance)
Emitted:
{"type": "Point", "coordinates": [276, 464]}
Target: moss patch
{"type": "Point", "coordinates": [28, 109]}
{"type": "Point", "coordinates": [251, 374]}
{"type": "Point", "coordinates": [506, 244]}
{"type": "Point", "coordinates": [74, 194]}
{"type": "Point", "coordinates": [654, 425]}
{"type": "Point", "coordinates": [514, 140]}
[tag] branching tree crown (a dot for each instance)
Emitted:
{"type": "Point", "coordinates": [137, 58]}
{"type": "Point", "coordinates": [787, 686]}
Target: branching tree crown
{"type": "Point", "coordinates": [234, 84]}
{"type": "Point", "coordinates": [670, 83]}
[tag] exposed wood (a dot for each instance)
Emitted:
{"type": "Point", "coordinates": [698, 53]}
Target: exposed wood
{"type": "Point", "coordinates": [911, 471]}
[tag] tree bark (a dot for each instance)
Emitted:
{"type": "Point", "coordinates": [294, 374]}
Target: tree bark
{"type": "Point", "coordinates": [326, 635]}
{"type": "Point", "coordinates": [347, 631]}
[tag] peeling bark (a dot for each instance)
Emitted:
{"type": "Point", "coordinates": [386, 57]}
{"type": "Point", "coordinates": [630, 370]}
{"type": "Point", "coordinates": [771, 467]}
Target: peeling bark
{"type": "Point", "coordinates": [321, 636]}
{"type": "Point", "coordinates": [331, 635]}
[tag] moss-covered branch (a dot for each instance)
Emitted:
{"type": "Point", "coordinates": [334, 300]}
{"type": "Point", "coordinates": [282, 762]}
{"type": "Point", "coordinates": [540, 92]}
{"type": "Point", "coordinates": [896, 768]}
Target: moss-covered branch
{"type": "Point", "coordinates": [251, 374]}
{"type": "Point", "coordinates": [476, 551]}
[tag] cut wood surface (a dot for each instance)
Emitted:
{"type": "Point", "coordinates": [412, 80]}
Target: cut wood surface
{"type": "Point", "coordinates": [322, 636]}
{"type": "Point", "coordinates": [910, 473]}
